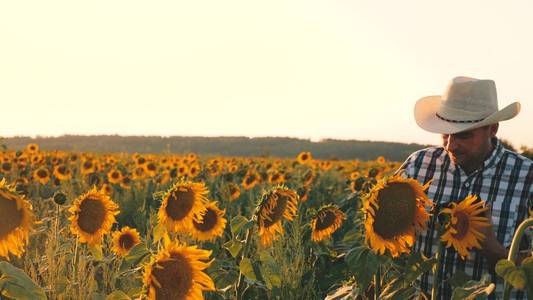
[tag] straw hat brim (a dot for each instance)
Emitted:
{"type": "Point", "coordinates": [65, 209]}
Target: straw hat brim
{"type": "Point", "coordinates": [426, 117]}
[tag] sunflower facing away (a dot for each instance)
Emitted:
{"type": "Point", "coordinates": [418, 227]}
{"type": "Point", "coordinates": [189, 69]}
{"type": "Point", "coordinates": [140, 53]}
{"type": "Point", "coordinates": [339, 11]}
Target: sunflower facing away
{"type": "Point", "coordinates": [177, 273]}
{"type": "Point", "coordinates": [326, 222]}
{"type": "Point", "coordinates": [275, 205]}
{"type": "Point", "coordinates": [464, 230]}
{"type": "Point", "coordinates": [212, 224]}
{"type": "Point", "coordinates": [17, 218]}
{"type": "Point", "coordinates": [234, 191]}
{"type": "Point", "coordinates": [184, 202]}
{"type": "Point", "coordinates": [395, 210]}
{"type": "Point", "coordinates": [93, 214]}
{"type": "Point", "coordinates": [124, 240]}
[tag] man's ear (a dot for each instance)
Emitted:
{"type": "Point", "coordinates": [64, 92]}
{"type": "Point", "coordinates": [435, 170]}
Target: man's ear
{"type": "Point", "coordinates": [493, 128]}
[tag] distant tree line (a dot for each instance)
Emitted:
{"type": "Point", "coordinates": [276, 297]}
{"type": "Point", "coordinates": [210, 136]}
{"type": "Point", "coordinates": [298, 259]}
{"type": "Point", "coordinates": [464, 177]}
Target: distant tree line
{"type": "Point", "coordinates": [228, 146]}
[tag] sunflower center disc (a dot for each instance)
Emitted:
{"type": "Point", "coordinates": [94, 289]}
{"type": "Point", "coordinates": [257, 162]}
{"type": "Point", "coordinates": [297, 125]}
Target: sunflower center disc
{"type": "Point", "coordinates": [92, 215]}
{"type": "Point", "coordinates": [396, 212]}
{"type": "Point", "coordinates": [175, 277]}
{"type": "Point", "coordinates": [325, 219]}
{"type": "Point", "coordinates": [125, 241]}
{"type": "Point", "coordinates": [462, 225]}
{"type": "Point", "coordinates": [42, 173]}
{"type": "Point", "coordinates": [209, 221]}
{"type": "Point", "coordinates": [277, 211]}
{"type": "Point", "coordinates": [9, 214]}
{"type": "Point", "coordinates": [179, 204]}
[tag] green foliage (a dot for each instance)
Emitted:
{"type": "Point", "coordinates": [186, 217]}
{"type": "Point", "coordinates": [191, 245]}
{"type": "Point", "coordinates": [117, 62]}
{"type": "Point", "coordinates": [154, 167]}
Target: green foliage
{"type": "Point", "coordinates": [474, 290]}
{"type": "Point", "coordinates": [15, 284]}
{"type": "Point", "coordinates": [516, 276]}
{"type": "Point", "coordinates": [117, 295]}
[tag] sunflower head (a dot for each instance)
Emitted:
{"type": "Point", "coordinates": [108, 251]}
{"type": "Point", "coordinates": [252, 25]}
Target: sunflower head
{"type": "Point", "coordinates": [304, 157]}
{"type": "Point", "coordinates": [93, 214]}
{"type": "Point", "coordinates": [326, 222]}
{"type": "Point", "coordinates": [395, 210]}
{"type": "Point", "coordinates": [114, 176]}
{"type": "Point", "coordinates": [62, 173]}
{"type": "Point", "coordinates": [17, 218]}
{"type": "Point", "coordinates": [124, 240]}
{"type": "Point", "coordinates": [276, 204]}
{"type": "Point", "coordinates": [32, 148]}
{"type": "Point", "coordinates": [177, 272]}
{"type": "Point", "coordinates": [184, 202]}
{"type": "Point", "coordinates": [251, 179]}
{"type": "Point", "coordinates": [234, 191]}
{"type": "Point", "coordinates": [463, 231]}
{"type": "Point", "coordinates": [212, 224]}
{"type": "Point", "coordinates": [42, 175]}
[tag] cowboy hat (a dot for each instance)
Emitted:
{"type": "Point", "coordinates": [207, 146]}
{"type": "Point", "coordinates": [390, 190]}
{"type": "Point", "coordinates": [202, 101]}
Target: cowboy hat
{"type": "Point", "coordinates": [467, 103]}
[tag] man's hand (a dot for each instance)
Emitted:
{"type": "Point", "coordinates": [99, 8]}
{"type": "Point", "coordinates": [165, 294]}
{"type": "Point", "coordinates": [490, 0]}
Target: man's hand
{"type": "Point", "coordinates": [492, 249]}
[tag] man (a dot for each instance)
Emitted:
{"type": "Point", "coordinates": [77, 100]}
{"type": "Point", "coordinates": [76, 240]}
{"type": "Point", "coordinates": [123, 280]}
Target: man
{"type": "Point", "coordinates": [471, 161]}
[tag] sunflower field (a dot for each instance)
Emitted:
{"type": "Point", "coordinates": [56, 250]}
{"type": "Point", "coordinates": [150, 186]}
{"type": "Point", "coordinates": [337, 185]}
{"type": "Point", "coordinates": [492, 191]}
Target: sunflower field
{"type": "Point", "coordinates": [169, 226]}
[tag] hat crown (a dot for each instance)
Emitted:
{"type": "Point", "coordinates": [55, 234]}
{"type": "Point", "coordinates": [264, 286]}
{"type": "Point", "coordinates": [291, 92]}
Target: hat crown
{"type": "Point", "coordinates": [469, 99]}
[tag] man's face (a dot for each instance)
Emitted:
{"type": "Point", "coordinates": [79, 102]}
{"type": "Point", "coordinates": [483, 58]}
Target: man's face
{"type": "Point", "coordinates": [470, 148]}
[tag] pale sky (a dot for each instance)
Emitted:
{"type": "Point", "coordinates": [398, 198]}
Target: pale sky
{"type": "Point", "coordinates": [307, 69]}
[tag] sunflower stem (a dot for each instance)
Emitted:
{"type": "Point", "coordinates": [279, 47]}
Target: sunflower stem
{"type": "Point", "coordinates": [514, 250]}
{"type": "Point", "coordinates": [240, 281]}
{"type": "Point", "coordinates": [436, 268]}
{"type": "Point", "coordinates": [377, 283]}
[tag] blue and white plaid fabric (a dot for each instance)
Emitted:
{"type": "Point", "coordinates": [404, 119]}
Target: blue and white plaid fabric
{"type": "Point", "coordinates": [505, 181]}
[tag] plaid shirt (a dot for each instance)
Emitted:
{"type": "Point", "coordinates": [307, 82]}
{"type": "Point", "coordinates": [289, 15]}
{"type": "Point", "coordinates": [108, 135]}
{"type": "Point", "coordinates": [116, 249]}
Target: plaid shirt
{"type": "Point", "coordinates": [505, 181]}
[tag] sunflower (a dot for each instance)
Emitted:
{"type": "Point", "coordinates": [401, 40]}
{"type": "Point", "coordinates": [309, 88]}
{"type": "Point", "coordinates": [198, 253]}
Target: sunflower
{"type": "Point", "coordinates": [32, 148]}
{"type": "Point", "coordinates": [325, 165]}
{"type": "Point", "coordinates": [6, 167]}
{"type": "Point", "coordinates": [395, 210]}
{"type": "Point", "coordinates": [177, 273]}
{"type": "Point", "coordinates": [184, 202]}
{"type": "Point", "coordinates": [308, 177]}
{"type": "Point", "coordinates": [233, 168]}
{"type": "Point", "coordinates": [106, 189]}
{"type": "Point", "coordinates": [276, 204]}
{"type": "Point", "coordinates": [182, 170]}
{"type": "Point", "coordinates": [42, 175]}
{"type": "Point", "coordinates": [464, 230]}
{"type": "Point", "coordinates": [87, 167]}
{"type": "Point", "coordinates": [354, 175]}
{"type": "Point", "coordinates": [139, 173]}
{"type": "Point", "coordinates": [124, 240]}
{"type": "Point", "coordinates": [150, 168]}
{"type": "Point", "coordinates": [194, 170]}
{"type": "Point", "coordinates": [114, 176]}
{"type": "Point", "coordinates": [93, 214]}
{"type": "Point", "coordinates": [125, 183]}
{"type": "Point", "coordinates": [164, 177]}
{"type": "Point", "coordinates": [304, 157]}
{"type": "Point", "coordinates": [276, 178]}
{"type": "Point", "coordinates": [326, 222]}
{"type": "Point", "coordinates": [17, 218]}
{"type": "Point", "coordinates": [140, 161]}
{"type": "Point", "coordinates": [212, 224]}
{"type": "Point", "coordinates": [62, 173]}
{"type": "Point", "coordinates": [250, 180]}
{"type": "Point", "coordinates": [234, 191]}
